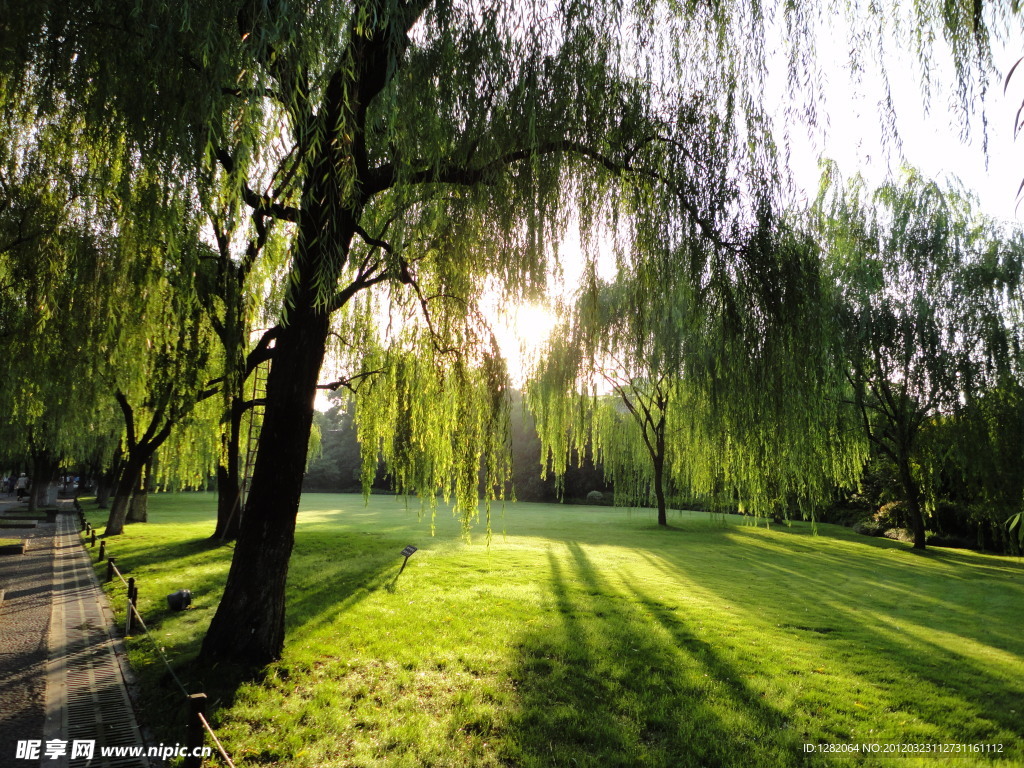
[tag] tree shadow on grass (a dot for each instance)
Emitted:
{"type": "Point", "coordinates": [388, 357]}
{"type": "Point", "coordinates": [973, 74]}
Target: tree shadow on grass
{"type": "Point", "coordinates": [320, 587]}
{"type": "Point", "coordinates": [620, 683]}
{"type": "Point", "coordinates": [918, 641]}
{"type": "Point", "coordinates": [332, 572]}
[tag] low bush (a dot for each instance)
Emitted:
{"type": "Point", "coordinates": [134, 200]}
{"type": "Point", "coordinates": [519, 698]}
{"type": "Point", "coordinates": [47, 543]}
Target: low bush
{"type": "Point", "coordinates": [869, 527]}
{"type": "Point", "coordinates": [899, 534]}
{"type": "Point", "coordinates": [893, 515]}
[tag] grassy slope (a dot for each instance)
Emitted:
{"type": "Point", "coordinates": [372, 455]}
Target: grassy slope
{"type": "Point", "coordinates": [586, 636]}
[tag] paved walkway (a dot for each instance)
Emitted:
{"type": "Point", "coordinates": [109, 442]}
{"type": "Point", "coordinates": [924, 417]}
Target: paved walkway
{"type": "Point", "coordinates": [27, 582]}
{"type": "Point", "coordinates": [63, 646]}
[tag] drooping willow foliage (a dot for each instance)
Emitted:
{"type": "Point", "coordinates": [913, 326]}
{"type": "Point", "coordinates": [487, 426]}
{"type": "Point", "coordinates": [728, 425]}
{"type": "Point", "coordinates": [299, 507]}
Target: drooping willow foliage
{"type": "Point", "coordinates": [727, 389]}
{"type": "Point", "coordinates": [926, 291]}
{"type": "Point", "coordinates": [487, 116]}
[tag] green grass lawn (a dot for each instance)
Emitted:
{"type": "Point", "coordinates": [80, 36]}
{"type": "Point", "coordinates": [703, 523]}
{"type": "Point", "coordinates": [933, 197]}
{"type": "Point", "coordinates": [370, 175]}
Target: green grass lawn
{"type": "Point", "coordinates": [586, 636]}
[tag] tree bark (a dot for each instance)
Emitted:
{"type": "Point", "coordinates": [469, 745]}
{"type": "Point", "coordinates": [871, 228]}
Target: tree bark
{"type": "Point", "coordinates": [659, 488]}
{"type": "Point", "coordinates": [126, 485]}
{"type": "Point", "coordinates": [249, 623]}
{"type": "Point", "coordinates": [913, 495]}
{"type": "Point", "coordinates": [44, 467]}
{"type": "Point", "coordinates": [138, 508]}
{"type": "Point", "coordinates": [103, 485]}
{"type": "Point", "coordinates": [107, 480]}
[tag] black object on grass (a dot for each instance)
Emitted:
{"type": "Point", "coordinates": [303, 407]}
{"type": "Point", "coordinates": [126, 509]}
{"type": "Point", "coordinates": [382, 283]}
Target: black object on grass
{"type": "Point", "coordinates": [180, 600]}
{"type": "Point", "coordinates": [407, 552]}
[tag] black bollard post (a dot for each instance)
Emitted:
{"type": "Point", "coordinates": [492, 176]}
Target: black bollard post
{"type": "Point", "coordinates": [103, 552]}
{"type": "Point", "coordinates": [132, 597]}
{"type": "Point", "coordinates": [110, 569]}
{"type": "Point", "coordinates": [195, 736]}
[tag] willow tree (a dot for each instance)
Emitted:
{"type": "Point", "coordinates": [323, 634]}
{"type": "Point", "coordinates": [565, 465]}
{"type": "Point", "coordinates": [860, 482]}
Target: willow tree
{"type": "Point", "coordinates": [708, 387]}
{"type": "Point", "coordinates": [410, 142]}
{"type": "Point", "coordinates": [55, 300]}
{"type": "Point", "coordinates": [922, 279]}
{"type": "Point", "coordinates": [230, 285]}
{"type": "Point", "coordinates": [606, 386]}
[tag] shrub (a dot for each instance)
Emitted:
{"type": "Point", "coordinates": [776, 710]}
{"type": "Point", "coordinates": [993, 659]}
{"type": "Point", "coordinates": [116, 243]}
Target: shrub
{"type": "Point", "coordinates": [869, 527]}
{"type": "Point", "coordinates": [899, 534]}
{"type": "Point", "coordinates": [595, 497]}
{"type": "Point", "coordinates": [892, 515]}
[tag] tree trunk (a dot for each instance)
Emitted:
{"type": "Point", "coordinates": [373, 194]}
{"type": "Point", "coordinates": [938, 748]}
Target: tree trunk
{"type": "Point", "coordinates": [659, 463]}
{"type": "Point", "coordinates": [44, 468]}
{"type": "Point", "coordinates": [249, 623]}
{"type": "Point", "coordinates": [229, 490]}
{"type": "Point", "coordinates": [138, 508]}
{"type": "Point", "coordinates": [126, 486]}
{"type": "Point", "coordinates": [103, 485]}
{"type": "Point", "coordinates": [106, 481]}
{"type": "Point", "coordinates": [913, 495]}
{"type": "Point", "coordinates": [659, 489]}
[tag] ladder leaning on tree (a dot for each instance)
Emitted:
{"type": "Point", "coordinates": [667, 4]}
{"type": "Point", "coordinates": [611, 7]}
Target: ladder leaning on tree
{"type": "Point", "coordinates": [254, 409]}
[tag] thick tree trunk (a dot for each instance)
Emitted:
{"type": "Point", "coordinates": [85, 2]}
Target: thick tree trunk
{"type": "Point", "coordinates": [126, 485]}
{"type": "Point", "coordinates": [229, 490]}
{"type": "Point", "coordinates": [249, 623]}
{"type": "Point", "coordinates": [44, 469]}
{"type": "Point", "coordinates": [138, 508]}
{"type": "Point", "coordinates": [913, 495]}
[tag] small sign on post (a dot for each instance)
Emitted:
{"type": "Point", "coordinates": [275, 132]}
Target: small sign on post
{"type": "Point", "coordinates": [407, 553]}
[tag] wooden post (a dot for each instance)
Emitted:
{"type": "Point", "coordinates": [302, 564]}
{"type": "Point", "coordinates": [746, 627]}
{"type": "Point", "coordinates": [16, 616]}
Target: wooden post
{"type": "Point", "coordinates": [131, 604]}
{"type": "Point", "coordinates": [195, 735]}
{"type": "Point", "coordinates": [110, 569]}
{"type": "Point", "coordinates": [103, 552]}
{"type": "Point", "coordinates": [94, 537]}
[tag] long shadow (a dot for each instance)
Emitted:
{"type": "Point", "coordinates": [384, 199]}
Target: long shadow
{"type": "Point", "coordinates": [618, 685]}
{"type": "Point", "coordinates": [331, 572]}
{"type": "Point", "coordinates": [319, 589]}
{"type": "Point", "coordinates": [905, 582]}
{"type": "Point", "coordinates": [900, 623]}
{"type": "Point", "coordinates": [161, 554]}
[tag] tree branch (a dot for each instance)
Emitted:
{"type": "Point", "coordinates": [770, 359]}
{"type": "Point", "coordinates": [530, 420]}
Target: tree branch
{"type": "Point", "coordinates": [261, 204]}
{"type": "Point", "coordinates": [348, 382]}
{"type": "Point", "coordinates": [262, 351]}
{"type": "Point", "coordinates": [129, 417]}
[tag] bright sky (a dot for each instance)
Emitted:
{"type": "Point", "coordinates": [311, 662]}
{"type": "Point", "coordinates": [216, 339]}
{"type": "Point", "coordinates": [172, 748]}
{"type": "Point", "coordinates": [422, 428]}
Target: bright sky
{"type": "Point", "coordinates": [931, 140]}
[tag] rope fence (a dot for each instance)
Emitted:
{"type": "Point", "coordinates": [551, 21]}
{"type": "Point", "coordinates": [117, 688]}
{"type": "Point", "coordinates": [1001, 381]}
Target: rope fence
{"type": "Point", "coordinates": [198, 726]}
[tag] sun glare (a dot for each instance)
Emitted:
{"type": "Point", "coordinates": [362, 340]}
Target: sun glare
{"type": "Point", "coordinates": [521, 332]}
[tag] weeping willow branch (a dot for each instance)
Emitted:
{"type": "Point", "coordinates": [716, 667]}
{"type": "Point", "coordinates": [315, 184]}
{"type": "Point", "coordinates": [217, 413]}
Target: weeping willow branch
{"type": "Point", "coordinates": [261, 204]}
{"type": "Point", "coordinates": [349, 382]}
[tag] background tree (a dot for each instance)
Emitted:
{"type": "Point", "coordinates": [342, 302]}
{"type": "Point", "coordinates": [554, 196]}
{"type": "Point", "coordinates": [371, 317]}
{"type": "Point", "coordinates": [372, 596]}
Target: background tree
{"type": "Point", "coordinates": [921, 279]}
{"type": "Point", "coordinates": [57, 288]}
{"type": "Point", "coordinates": [713, 389]}
{"type": "Point", "coordinates": [169, 348]}
{"type": "Point", "coordinates": [608, 385]}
